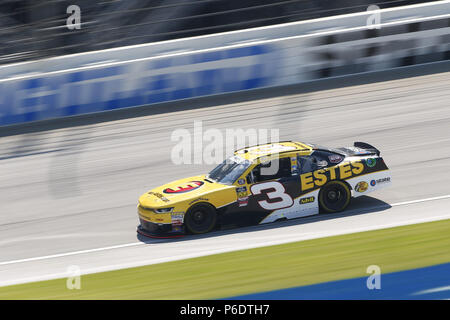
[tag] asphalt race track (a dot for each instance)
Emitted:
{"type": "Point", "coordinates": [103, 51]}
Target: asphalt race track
{"type": "Point", "coordinates": [68, 195]}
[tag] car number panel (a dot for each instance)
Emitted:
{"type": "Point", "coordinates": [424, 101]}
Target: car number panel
{"type": "Point", "coordinates": [269, 201]}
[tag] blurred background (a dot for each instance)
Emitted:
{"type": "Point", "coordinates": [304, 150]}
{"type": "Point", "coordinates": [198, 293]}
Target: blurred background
{"type": "Point", "coordinates": [37, 29]}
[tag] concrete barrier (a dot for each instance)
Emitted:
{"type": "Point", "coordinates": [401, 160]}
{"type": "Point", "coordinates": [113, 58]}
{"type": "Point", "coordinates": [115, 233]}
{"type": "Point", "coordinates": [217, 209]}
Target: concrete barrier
{"type": "Point", "coordinates": [229, 62]}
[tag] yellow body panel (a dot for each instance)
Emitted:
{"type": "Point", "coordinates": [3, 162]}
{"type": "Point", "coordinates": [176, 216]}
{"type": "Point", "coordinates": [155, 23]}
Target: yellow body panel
{"type": "Point", "coordinates": [214, 193]}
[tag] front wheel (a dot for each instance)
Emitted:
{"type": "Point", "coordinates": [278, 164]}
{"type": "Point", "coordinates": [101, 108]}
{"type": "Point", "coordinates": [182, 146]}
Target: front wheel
{"type": "Point", "coordinates": [200, 218]}
{"type": "Point", "coordinates": [334, 196]}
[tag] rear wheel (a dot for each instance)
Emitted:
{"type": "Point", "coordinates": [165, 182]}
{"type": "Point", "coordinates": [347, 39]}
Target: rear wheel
{"type": "Point", "coordinates": [200, 218]}
{"type": "Point", "coordinates": [334, 196]}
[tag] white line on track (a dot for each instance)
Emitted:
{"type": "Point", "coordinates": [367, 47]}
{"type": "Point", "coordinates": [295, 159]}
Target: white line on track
{"type": "Point", "coordinates": [433, 290]}
{"type": "Point", "coordinates": [420, 200]}
{"type": "Point", "coordinates": [133, 244]}
{"type": "Point", "coordinates": [72, 253]}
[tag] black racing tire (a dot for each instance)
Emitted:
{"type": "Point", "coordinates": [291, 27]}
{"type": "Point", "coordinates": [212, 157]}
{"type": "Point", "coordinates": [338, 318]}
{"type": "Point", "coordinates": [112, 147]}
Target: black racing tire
{"type": "Point", "coordinates": [200, 218]}
{"type": "Point", "coordinates": [334, 196]}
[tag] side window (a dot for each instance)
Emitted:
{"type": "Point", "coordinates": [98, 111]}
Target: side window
{"type": "Point", "coordinates": [318, 160]}
{"type": "Point", "coordinates": [307, 164]}
{"type": "Point", "coordinates": [265, 171]}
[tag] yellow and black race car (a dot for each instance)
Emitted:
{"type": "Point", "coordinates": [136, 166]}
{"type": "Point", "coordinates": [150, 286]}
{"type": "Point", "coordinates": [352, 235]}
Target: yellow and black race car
{"type": "Point", "coordinates": [262, 184]}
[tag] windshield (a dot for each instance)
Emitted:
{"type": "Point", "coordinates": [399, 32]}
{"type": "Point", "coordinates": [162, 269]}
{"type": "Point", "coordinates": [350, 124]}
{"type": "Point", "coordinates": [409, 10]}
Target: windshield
{"type": "Point", "coordinates": [229, 170]}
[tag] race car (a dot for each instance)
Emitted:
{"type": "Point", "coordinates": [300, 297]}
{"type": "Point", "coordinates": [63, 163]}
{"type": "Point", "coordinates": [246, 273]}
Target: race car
{"type": "Point", "coordinates": [262, 184]}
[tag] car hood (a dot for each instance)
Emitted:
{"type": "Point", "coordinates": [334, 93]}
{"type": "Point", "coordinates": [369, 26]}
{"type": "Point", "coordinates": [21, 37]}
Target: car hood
{"type": "Point", "coordinates": [179, 190]}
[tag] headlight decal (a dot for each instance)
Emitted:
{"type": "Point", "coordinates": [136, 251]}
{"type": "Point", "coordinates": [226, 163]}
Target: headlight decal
{"type": "Point", "coordinates": [164, 210]}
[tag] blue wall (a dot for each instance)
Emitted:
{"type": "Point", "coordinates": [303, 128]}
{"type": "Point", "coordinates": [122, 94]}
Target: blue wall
{"type": "Point", "coordinates": [137, 83]}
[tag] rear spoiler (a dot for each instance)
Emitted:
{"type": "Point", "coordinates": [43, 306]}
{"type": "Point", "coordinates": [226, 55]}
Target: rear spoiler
{"type": "Point", "coordinates": [366, 146]}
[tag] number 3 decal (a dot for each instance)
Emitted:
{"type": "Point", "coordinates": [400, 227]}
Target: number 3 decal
{"type": "Point", "coordinates": [279, 192]}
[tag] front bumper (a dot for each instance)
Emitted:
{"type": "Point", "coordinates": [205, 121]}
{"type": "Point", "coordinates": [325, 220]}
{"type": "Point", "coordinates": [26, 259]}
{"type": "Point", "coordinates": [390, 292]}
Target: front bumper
{"type": "Point", "coordinates": [157, 230]}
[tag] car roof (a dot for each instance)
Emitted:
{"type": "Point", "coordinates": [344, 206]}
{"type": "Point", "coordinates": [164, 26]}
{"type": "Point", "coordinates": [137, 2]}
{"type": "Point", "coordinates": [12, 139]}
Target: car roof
{"type": "Point", "coordinates": [286, 148]}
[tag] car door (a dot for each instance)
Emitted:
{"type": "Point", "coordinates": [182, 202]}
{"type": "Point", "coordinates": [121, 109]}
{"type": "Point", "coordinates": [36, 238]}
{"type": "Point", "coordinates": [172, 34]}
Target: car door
{"type": "Point", "coordinates": [284, 194]}
{"type": "Point", "coordinates": [263, 190]}
{"type": "Point", "coordinates": [274, 187]}
{"type": "Point", "coordinates": [309, 198]}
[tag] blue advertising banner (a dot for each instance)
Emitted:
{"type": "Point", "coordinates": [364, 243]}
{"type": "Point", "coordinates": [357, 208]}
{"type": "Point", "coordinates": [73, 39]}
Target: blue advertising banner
{"type": "Point", "coordinates": [136, 83]}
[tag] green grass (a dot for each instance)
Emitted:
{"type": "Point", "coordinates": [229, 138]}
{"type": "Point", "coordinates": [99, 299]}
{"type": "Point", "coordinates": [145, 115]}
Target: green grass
{"type": "Point", "coordinates": [261, 269]}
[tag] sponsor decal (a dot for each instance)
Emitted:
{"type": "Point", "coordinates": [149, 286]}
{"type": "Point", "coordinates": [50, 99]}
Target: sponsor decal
{"type": "Point", "coordinates": [384, 180]}
{"type": "Point", "coordinates": [241, 181]}
{"type": "Point", "coordinates": [242, 196]}
{"type": "Point", "coordinates": [361, 186]}
{"type": "Point", "coordinates": [242, 202]}
{"type": "Point", "coordinates": [371, 162]}
{"type": "Point", "coordinates": [241, 192]}
{"type": "Point", "coordinates": [197, 200]}
{"type": "Point", "coordinates": [373, 183]}
{"type": "Point", "coordinates": [335, 158]}
{"type": "Point", "coordinates": [319, 177]}
{"type": "Point", "coordinates": [307, 200]}
{"type": "Point", "coordinates": [159, 195]}
{"type": "Point", "coordinates": [191, 185]}
{"type": "Point", "coordinates": [177, 218]}
{"type": "Point", "coordinates": [294, 166]}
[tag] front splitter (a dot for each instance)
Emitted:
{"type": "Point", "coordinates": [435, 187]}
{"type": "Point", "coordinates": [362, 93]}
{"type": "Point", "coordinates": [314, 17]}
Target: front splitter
{"type": "Point", "coordinates": [148, 234]}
